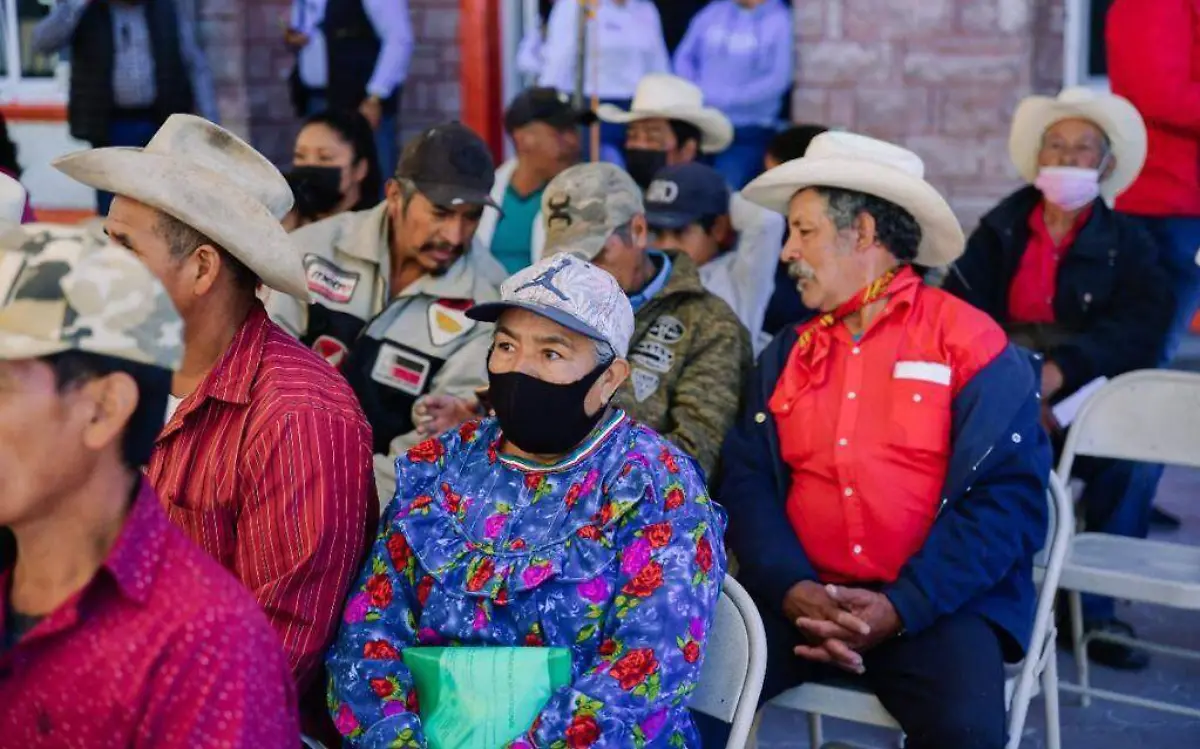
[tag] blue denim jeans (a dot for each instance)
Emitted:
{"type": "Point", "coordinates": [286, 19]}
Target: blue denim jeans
{"type": "Point", "coordinates": [124, 132]}
{"type": "Point", "coordinates": [1178, 241]}
{"type": "Point", "coordinates": [743, 160]}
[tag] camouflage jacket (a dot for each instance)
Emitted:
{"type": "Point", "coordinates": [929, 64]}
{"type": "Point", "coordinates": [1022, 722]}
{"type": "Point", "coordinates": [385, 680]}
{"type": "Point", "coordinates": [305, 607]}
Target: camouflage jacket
{"type": "Point", "coordinates": [689, 355]}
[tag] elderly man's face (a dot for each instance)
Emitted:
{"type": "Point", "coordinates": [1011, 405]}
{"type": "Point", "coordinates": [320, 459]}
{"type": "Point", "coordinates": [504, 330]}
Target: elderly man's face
{"type": "Point", "coordinates": [819, 256]}
{"type": "Point", "coordinates": [538, 347]}
{"type": "Point", "coordinates": [1074, 142]}
{"type": "Point", "coordinates": [434, 236]}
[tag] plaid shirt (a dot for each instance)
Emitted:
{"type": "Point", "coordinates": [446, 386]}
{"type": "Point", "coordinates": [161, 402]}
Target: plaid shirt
{"type": "Point", "coordinates": [267, 467]}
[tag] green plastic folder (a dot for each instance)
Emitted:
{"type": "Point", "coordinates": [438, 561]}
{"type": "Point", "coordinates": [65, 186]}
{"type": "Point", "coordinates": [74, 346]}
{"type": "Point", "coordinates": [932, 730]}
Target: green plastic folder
{"type": "Point", "coordinates": [483, 698]}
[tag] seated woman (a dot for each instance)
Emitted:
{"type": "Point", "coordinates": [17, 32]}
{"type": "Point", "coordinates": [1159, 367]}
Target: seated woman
{"type": "Point", "coordinates": [559, 523]}
{"type": "Point", "coordinates": [1066, 276]}
{"type": "Point", "coordinates": [334, 168]}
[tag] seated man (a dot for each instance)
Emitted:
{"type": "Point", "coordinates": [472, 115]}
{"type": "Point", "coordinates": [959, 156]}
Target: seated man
{"type": "Point", "coordinates": [886, 483]}
{"type": "Point", "coordinates": [544, 129]}
{"type": "Point", "coordinates": [690, 353]}
{"type": "Point", "coordinates": [585, 531]}
{"type": "Point", "coordinates": [687, 208]}
{"type": "Point", "coordinates": [390, 287]}
{"type": "Point", "coordinates": [1066, 276]}
{"type": "Point", "coordinates": [114, 629]}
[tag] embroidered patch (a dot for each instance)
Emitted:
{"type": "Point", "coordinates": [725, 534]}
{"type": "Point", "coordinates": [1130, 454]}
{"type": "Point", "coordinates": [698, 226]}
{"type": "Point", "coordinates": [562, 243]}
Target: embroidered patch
{"type": "Point", "coordinates": [644, 384]}
{"type": "Point", "coordinates": [926, 371]}
{"type": "Point", "coordinates": [331, 350]}
{"type": "Point", "coordinates": [399, 369]}
{"type": "Point", "coordinates": [448, 320]}
{"type": "Point", "coordinates": [667, 329]}
{"type": "Point", "coordinates": [653, 356]}
{"type": "Point", "coordinates": [11, 265]}
{"type": "Point", "coordinates": [328, 280]}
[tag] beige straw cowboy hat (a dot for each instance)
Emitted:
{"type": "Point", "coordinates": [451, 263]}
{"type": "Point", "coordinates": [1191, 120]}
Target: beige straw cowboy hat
{"type": "Point", "coordinates": [1120, 121]}
{"type": "Point", "coordinates": [856, 162]}
{"type": "Point", "coordinates": [673, 98]}
{"type": "Point", "coordinates": [211, 180]}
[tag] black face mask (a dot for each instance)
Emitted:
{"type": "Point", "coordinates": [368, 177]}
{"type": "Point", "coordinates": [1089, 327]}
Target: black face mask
{"type": "Point", "coordinates": [541, 417]}
{"type": "Point", "coordinates": [642, 165]}
{"type": "Point", "coordinates": [318, 189]}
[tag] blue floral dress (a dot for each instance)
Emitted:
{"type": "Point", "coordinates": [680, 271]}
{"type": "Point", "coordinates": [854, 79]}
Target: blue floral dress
{"type": "Point", "coordinates": [615, 553]}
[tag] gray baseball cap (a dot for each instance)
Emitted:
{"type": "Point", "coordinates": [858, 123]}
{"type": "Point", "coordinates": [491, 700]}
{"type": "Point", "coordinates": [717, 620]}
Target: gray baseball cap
{"type": "Point", "coordinates": [585, 204]}
{"type": "Point", "coordinates": [573, 293]}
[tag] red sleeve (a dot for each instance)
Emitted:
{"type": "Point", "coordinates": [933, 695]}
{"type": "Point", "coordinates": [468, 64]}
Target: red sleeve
{"type": "Point", "coordinates": [1150, 53]}
{"type": "Point", "coordinates": [306, 524]}
{"type": "Point", "coordinates": [971, 340]}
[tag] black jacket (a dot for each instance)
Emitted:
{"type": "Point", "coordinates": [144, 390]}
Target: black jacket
{"type": "Point", "coordinates": [1110, 289]}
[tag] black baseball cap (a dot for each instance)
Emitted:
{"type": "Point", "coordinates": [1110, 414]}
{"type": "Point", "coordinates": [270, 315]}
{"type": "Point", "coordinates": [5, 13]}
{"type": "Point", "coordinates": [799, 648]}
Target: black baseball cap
{"type": "Point", "coordinates": [683, 194]}
{"type": "Point", "coordinates": [451, 165]}
{"type": "Point", "coordinates": [544, 105]}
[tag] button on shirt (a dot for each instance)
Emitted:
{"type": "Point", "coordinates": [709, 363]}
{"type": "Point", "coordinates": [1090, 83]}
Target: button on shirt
{"type": "Point", "coordinates": [626, 41]}
{"type": "Point", "coordinates": [1031, 294]}
{"type": "Point", "coordinates": [864, 427]}
{"type": "Point", "coordinates": [160, 648]}
{"type": "Point", "coordinates": [267, 467]}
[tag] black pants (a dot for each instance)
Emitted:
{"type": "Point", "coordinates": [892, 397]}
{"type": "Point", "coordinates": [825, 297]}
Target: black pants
{"type": "Point", "coordinates": [945, 685]}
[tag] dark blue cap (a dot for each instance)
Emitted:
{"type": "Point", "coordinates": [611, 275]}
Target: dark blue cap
{"type": "Point", "coordinates": [683, 194]}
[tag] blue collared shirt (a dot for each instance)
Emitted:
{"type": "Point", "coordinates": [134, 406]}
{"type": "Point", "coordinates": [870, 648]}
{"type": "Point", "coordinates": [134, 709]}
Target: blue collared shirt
{"type": "Point", "coordinates": [655, 286]}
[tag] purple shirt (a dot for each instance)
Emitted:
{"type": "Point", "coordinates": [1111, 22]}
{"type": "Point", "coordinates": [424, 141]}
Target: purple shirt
{"type": "Point", "coordinates": [162, 648]}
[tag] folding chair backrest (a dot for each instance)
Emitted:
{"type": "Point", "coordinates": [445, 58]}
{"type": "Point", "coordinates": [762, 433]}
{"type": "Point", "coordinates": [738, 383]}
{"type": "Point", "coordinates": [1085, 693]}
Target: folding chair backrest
{"type": "Point", "coordinates": [735, 661]}
{"type": "Point", "coordinates": [1150, 415]}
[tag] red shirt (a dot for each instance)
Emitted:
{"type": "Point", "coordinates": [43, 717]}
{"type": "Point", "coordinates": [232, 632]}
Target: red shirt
{"type": "Point", "coordinates": [865, 428]}
{"type": "Point", "coordinates": [162, 648]}
{"type": "Point", "coordinates": [1031, 292]}
{"type": "Point", "coordinates": [1154, 61]}
{"type": "Point", "coordinates": [267, 467]}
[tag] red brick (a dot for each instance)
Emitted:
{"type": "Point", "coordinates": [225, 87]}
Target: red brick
{"type": "Point", "coordinates": [983, 67]}
{"type": "Point", "coordinates": [845, 62]}
{"type": "Point", "coordinates": [976, 111]}
{"type": "Point", "coordinates": [994, 16]}
{"type": "Point", "coordinates": [897, 19]}
{"type": "Point", "coordinates": [810, 20]}
{"type": "Point", "coordinates": [810, 104]}
{"type": "Point", "coordinates": [887, 112]}
{"type": "Point", "coordinates": [948, 156]}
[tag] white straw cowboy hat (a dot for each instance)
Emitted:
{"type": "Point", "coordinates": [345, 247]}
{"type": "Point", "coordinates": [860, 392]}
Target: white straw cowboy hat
{"type": "Point", "coordinates": [12, 200]}
{"type": "Point", "coordinates": [211, 180]}
{"type": "Point", "coordinates": [1120, 121]}
{"type": "Point", "coordinates": [673, 98]}
{"type": "Point", "coordinates": [856, 162]}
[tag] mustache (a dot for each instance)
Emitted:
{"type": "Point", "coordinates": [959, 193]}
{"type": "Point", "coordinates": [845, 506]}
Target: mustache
{"type": "Point", "coordinates": [801, 271]}
{"type": "Point", "coordinates": [456, 249]}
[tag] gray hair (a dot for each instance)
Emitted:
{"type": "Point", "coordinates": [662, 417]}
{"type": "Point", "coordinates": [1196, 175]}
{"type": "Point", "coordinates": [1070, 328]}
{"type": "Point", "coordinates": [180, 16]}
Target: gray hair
{"type": "Point", "coordinates": [624, 232]}
{"type": "Point", "coordinates": [182, 240]}
{"type": "Point", "coordinates": [895, 228]}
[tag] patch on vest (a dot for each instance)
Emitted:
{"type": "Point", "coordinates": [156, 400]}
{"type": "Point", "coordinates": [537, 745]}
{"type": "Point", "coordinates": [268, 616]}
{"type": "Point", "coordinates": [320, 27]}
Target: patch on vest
{"type": "Point", "coordinates": [331, 350]}
{"type": "Point", "coordinates": [399, 369]}
{"type": "Point", "coordinates": [448, 320]}
{"type": "Point", "coordinates": [644, 384]}
{"type": "Point", "coordinates": [329, 281]}
{"type": "Point", "coordinates": [667, 329]}
{"type": "Point", "coordinates": [653, 356]}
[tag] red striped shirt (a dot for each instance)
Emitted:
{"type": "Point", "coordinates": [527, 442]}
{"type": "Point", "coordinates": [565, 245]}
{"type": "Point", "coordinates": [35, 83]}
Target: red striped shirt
{"type": "Point", "coordinates": [267, 467]}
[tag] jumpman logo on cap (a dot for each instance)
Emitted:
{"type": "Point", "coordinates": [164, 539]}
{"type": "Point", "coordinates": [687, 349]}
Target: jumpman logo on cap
{"type": "Point", "coordinates": [546, 280]}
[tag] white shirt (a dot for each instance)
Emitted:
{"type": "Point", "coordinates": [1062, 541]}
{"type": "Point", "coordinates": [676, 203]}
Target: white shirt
{"type": "Point", "coordinates": [392, 25]}
{"type": "Point", "coordinates": [626, 40]}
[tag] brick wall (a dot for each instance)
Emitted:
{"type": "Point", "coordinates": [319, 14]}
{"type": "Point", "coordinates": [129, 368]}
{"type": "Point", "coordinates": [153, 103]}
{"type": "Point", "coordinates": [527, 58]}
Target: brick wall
{"type": "Point", "coordinates": [940, 76]}
{"type": "Point", "coordinates": [244, 41]}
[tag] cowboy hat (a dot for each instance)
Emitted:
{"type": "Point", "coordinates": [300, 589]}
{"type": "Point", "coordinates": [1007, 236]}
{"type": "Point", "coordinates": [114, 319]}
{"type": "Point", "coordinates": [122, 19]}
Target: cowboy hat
{"type": "Point", "coordinates": [670, 97]}
{"type": "Point", "coordinates": [211, 180]}
{"type": "Point", "coordinates": [855, 162]}
{"type": "Point", "coordinates": [12, 200]}
{"type": "Point", "coordinates": [1113, 114]}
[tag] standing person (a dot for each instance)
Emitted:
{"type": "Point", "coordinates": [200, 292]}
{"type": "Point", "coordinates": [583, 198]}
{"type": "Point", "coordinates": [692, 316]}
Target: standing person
{"type": "Point", "coordinates": [391, 287]}
{"type": "Point", "coordinates": [353, 54]}
{"type": "Point", "coordinates": [265, 461]}
{"type": "Point", "coordinates": [133, 64]}
{"type": "Point", "coordinates": [739, 52]}
{"type": "Point", "coordinates": [545, 132]}
{"type": "Point", "coordinates": [625, 43]}
{"type": "Point", "coordinates": [334, 168]}
{"type": "Point", "coordinates": [114, 629]}
{"type": "Point", "coordinates": [11, 168]}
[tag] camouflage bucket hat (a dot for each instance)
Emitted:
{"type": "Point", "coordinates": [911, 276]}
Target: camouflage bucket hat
{"type": "Point", "coordinates": [585, 204]}
{"type": "Point", "coordinates": [66, 288]}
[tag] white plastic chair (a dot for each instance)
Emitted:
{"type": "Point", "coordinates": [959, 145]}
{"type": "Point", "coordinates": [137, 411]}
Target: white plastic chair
{"type": "Point", "coordinates": [1153, 416]}
{"type": "Point", "coordinates": [735, 663]}
{"type": "Point", "coordinates": [1038, 672]}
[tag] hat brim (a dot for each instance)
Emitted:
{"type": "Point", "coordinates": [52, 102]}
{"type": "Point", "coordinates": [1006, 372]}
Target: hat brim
{"type": "Point", "coordinates": [942, 238]}
{"type": "Point", "coordinates": [491, 312]}
{"type": "Point", "coordinates": [670, 219]}
{"type": "Point", "coordinates": [716, 131]}
{"type": "Point", "coordinates": [445, 195]}
{"type": "Point", "coordinates": [1120, 121]}
{"type": "Point", "coordinates": [201, 199]}
{"type": "Point", "coordinates": [16, 347]}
